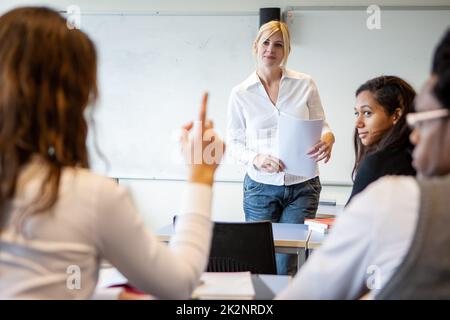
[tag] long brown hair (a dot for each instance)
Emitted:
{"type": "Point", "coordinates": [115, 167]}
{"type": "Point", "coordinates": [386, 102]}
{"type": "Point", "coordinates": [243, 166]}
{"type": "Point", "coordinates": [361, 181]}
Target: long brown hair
{"type": "Point", "coordinates": [47, 79]}
{"type": "Point", "coordinates": [390, 92]}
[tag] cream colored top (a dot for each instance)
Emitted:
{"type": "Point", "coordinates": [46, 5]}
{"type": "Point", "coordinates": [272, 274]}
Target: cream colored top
{"type": "Point", "coordinates": [58, 255]}
{"type": "Point", "coordinates": [366, 245]}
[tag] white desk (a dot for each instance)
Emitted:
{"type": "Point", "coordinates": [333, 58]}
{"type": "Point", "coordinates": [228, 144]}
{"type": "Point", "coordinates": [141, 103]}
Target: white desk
{"type": "Point", "coordinates": [287, 237]}
{"type": "Point", "coordinates": [327, 210]}
{"type": "Point", "coordinates": [275, 282]}
{"type": "Point", "coordinates": [271, 284]}
{"type": "Point", "coordinates": [315, 240]}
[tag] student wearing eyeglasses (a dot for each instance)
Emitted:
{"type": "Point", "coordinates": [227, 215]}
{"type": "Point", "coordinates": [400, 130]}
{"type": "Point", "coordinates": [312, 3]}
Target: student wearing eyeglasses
{"type": "Point", "coordinates": [392, 241]}
{"type": "Point", "coordinates": [381, 136]}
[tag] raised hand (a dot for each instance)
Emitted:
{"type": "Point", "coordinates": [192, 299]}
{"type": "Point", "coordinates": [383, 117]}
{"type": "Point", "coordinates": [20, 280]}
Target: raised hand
{"type": "Point", "coordinates": [202, 147]}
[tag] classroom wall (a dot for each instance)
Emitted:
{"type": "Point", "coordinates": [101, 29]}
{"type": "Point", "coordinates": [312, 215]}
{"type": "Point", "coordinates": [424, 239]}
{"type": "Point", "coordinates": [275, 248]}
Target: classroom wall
{"type": "Point", "coordinates": [209, 5]}
{"type": "Point", "coordinates": [158, 200]}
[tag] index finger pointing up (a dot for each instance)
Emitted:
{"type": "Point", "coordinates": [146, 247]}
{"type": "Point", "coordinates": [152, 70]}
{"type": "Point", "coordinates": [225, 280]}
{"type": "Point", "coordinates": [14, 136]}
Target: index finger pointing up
{"type": "Point", "coordinates": [203, 109]}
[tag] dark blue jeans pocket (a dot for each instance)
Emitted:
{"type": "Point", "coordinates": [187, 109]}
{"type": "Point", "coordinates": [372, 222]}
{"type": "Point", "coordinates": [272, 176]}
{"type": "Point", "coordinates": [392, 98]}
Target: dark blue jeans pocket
{"type": "Point", "coordinates": [315, 184]}
{"type": "Point", "coordinates": [251, 186]}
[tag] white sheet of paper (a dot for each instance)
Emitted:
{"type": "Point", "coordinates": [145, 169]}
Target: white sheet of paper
{"type": "Point", "coordinates": [225, 285]}
{"type": "Point", "coordinates": [295, 138]}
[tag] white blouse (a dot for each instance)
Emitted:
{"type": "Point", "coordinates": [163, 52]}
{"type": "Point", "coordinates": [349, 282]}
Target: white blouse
{"type": "Point", "coordinates": [253, 120]}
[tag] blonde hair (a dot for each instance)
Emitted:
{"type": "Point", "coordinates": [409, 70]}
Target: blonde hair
{"type": "Point", "coordinates": [267, 30]}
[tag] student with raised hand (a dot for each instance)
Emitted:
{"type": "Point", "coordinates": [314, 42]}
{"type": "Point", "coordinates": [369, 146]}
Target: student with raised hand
{"type": "Point", "coordinates": [392, 242]}
{"type": "Point", "coordinates": [381, 137]}
{"type": "Point", "coordinates": [57, 216]}
{"type": "Point", "coordinates": [253, 112]}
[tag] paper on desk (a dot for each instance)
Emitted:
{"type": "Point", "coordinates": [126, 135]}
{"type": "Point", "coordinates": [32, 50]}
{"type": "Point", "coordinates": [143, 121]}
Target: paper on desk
{"type": "Point", "coordinates": [295, 138]}
{"type": "Point", "coordinates": [225, 285]}
{"type": "Point", "coordinates": [110, 277]}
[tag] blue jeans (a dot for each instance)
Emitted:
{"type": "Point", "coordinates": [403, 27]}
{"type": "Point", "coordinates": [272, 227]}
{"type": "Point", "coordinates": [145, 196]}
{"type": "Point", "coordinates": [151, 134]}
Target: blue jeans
{"type": "Point", "coordinates": [283, 204]}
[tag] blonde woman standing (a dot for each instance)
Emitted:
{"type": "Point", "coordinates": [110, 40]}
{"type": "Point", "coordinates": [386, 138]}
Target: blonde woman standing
{"type": "Point", "coordinates": [253, 111]}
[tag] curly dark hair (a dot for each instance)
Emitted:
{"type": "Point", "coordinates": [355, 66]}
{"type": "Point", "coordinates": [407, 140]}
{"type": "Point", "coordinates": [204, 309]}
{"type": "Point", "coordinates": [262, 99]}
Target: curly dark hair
{"type": "Point", "coordinates": [441, 68]}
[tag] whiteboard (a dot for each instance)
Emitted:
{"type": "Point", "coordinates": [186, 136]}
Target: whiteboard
{"type": "Point", "coordinates": [337, 49]}
{"type": "Point", "coordinates": [152, 74]}
{"type": "Point", "coordinates": [154, 68]}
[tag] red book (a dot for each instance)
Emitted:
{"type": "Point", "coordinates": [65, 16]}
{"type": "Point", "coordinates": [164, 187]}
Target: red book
{"type": "Point", "coordinates": [132, 292]}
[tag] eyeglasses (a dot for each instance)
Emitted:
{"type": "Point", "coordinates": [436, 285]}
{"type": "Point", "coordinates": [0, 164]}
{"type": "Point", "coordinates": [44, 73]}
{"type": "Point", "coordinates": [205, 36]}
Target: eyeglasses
{"type": "Point", "coordinates": [415, 118]}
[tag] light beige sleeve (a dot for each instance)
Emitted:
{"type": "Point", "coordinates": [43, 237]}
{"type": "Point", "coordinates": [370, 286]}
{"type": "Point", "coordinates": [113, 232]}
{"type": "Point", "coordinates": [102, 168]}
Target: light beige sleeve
{"type": "Point", "coordinates": [167, 272]}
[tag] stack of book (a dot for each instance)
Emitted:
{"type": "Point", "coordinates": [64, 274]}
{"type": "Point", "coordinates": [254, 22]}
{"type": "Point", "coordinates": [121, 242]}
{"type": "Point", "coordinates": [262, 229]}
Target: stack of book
{"type": "Point", "coordinates": [321, 225]}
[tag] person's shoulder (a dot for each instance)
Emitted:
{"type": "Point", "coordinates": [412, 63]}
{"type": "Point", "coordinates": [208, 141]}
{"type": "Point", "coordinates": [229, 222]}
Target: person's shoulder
{"type": "Point", "coordinates": [372, 164]}
{"type": "Point", "coordinates": [386, 193]}
{"type": "Point", "coordinates": [386, 156]}
{"type": "Point", "coordinates": [376, 158]}
{"type": "Point", "coordinates": [298, 75]}
{"type": "Point", "coordinates": [244, 85]}
{"type": "Point", "coordinates": [392, 159]}
{"type": "Point", "coordinates": [397, 196]}
{"type": "Point", "coordinates": [399, 151]}
{"type": "Point", "coordinates": [391, 185]}
{"type": "Point", "coordinates": [83, 179]}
